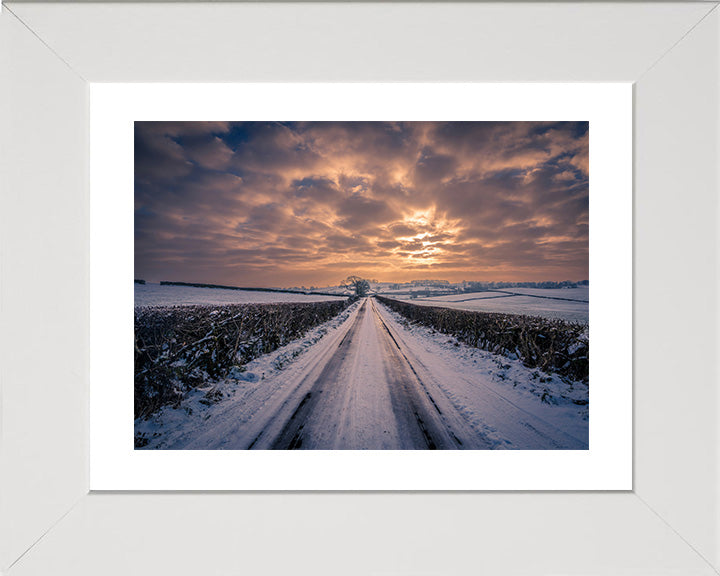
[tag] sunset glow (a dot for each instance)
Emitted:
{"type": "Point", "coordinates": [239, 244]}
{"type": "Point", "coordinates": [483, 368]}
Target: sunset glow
{"type": "Point", "coordinates": [309, 203]}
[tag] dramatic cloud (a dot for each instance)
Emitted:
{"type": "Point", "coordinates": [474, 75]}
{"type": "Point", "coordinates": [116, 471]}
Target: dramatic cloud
{"type": "Point", "coordinates": [281, 204]}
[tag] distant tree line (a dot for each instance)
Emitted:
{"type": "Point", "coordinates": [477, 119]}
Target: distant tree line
{"type": "Point", "coordinates": [473, 286]}
{"type": "Point", "coordinates": [430, 282]}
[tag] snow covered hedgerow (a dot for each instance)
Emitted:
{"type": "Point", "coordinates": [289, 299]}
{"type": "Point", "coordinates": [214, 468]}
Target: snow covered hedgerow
{"type": "Point", "coordinates": [179, 348]}
{"type": "Point", "coordinates": [550, 345]}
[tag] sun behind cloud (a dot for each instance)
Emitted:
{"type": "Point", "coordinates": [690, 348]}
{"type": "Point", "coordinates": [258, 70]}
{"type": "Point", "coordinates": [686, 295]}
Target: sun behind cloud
{"type": "Point", "coordinates": [308, 203]}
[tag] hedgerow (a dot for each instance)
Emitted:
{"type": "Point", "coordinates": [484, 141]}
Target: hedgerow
{"type": "Point", "coordinates": [550, 345]}
{"type": "Point", "coordinates": [178, 348]}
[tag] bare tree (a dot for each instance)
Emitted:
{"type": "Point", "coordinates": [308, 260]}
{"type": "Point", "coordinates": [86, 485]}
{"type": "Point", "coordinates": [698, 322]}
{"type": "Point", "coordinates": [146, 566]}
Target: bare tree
{"type": "Point", "coordinates": [360, 285]}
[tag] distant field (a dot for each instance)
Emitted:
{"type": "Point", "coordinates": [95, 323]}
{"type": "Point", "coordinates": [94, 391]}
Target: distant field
{"type": "Point", "coordinates": [580, 293]}
{"type": "Point", "coordinates": [547, 306]}
{"type": "Point", "coordinates": [156, 295]}
{"type": "Point", "coordinates": [459, 297]}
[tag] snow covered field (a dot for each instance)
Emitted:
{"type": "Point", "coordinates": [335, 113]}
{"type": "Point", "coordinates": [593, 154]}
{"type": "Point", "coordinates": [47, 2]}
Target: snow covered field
{"type": "Point", "coordinates": [565, 304]}
{"type": "Point", "coordinates": [581, 293]}
{"type": "Point", "coordinates": [369, 380]}
{"type": "Point", "coordinates": [157, 295]}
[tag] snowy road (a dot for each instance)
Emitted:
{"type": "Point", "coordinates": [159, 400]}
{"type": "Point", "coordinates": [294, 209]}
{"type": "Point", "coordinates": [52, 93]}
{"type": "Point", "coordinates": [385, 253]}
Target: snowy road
{"type": "Point", "coordinates": [368, 395]}
{"type": "Point", "coordinates": [373, 383]}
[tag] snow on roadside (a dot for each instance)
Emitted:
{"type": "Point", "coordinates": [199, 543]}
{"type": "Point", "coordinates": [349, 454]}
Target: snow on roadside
{"type": "Point", "coordinates": [465, 374]}
{"type": "Point", "coordinates": [240, 395]}
{"type": "Point", "coordinates": [170, 295]}
{"type": "Point", "coordinates": [508, 304]}
{"type": "Point", "coordinates": [500, 397]}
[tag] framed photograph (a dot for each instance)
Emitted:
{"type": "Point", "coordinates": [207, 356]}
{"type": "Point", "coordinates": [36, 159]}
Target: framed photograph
{"type": "Point", "coordinates": [392, 198]}
{"type": "Point", "coordinates": [365, 381]}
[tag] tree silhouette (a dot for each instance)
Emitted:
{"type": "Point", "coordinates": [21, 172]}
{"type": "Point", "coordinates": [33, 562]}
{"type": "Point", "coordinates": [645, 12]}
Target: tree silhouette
{"type": "Point", "coordinates": [360, 285]}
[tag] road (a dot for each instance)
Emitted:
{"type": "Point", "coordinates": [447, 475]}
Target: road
{"type": "Point", "coordinates": [368, 395]}
{"type": "Point", "coordinates": [369, 391]}
{"type": "Point", "coordinates": [371, 383]}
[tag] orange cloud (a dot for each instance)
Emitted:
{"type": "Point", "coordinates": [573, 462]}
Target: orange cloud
{"type": "Point", "coordinates": [309, 203]}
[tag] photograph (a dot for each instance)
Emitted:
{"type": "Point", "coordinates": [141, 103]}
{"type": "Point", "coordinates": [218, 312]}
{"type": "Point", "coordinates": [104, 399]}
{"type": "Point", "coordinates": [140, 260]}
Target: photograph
{"type": "Point", "coordinates": [354, 246]}
{"type": "Point", "coordinates": [346, 285]}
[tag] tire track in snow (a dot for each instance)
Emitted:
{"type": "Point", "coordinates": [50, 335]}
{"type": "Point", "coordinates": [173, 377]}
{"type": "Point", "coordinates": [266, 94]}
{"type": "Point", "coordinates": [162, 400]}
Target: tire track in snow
{"type": "Point", "coordinates": [538, 431]}
{"type": "Point", "coordinates": [373, 402]}
{"type": "Point", "coordinates": [437, 433]}
{"type": "Point", "coordinates": [291, 436]}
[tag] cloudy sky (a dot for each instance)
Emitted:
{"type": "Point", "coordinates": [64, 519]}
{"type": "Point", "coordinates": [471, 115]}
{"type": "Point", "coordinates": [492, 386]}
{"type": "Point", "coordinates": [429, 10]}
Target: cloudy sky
{"type": "Point", "coordinates": [308, 203]}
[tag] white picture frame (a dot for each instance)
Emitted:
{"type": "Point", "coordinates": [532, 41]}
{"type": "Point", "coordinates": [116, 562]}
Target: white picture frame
{"type": "Point", "coordinates": [116, 465]}
{"type": "Point", "coordinates": [49, 54]}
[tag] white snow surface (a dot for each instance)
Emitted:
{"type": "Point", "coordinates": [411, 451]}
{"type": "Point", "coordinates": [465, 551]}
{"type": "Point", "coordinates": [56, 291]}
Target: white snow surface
{"type": "Point", "coordinates": [516, 406]}
{"type": "Point", "coordinates": [570, 304]}
{"type": "Point", "coordinates": [486, 401]}
{"type": "Point", "coordinates": [168, 295]}
{"type": "Point", "coordinates": [580, 293]}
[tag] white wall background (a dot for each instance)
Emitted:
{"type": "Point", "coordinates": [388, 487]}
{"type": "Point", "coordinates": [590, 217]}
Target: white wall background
{"type": "Point", "coordinates": [43, 288]}
{"type": "Point", "coordinates": [677, 287]}
{"type": "Point", "coordinates": [668, 527]}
